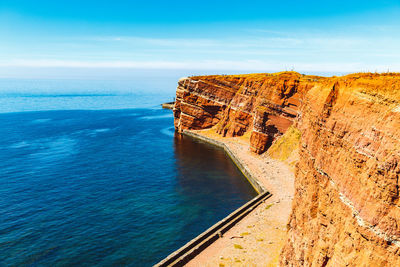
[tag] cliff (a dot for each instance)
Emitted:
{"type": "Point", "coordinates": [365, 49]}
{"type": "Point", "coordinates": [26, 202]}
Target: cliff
{"type": "Point", "coordinates": [264, 104]}
{"type": "Point", "coordinates": [346, 208]}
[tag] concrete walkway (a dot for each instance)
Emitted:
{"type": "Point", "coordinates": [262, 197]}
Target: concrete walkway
{"type": "Point", "coordinates": [258, 238]}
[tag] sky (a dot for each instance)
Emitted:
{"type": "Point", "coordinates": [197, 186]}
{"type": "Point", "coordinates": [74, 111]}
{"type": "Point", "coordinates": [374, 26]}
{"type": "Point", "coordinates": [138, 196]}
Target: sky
{"type": "Point", "coordinates": [122, 38]}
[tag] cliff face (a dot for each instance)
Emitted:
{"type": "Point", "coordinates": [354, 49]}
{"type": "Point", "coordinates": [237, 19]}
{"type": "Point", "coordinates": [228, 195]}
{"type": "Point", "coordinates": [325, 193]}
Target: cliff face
{"type": "Point", "coordinates": [264, 104]}
{"type": "Point", "coordinates": [346, 209]}
{"type": "Point", "coordinates": [346, 206]}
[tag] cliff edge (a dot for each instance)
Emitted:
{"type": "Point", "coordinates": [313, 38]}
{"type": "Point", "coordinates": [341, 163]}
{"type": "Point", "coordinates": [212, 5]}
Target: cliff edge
{"type": "Point", "coordinates": [346, 207]}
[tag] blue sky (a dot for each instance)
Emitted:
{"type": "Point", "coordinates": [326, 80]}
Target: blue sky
{"type": "Point", "coordinates": [40, 38]}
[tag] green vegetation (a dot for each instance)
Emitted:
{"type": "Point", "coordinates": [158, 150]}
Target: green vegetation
{"type": "Point", "coordinates": [269, 206]}
{"type": "Point", "coordinates": [283, 147]}
{"type": "Point", "coordinates": [237, 246]}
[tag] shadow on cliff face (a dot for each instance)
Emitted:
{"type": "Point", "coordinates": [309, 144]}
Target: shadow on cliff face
{"type": "Point", "coordinates": [272, 132]}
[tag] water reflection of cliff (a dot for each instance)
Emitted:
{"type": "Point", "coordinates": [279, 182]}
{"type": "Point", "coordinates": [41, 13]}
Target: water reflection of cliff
{"type": "Point", "coordinates": [206, 175]}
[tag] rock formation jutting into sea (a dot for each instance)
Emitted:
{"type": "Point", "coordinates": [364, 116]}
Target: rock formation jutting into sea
{"type": "Point", "coordinates": [346, 207]}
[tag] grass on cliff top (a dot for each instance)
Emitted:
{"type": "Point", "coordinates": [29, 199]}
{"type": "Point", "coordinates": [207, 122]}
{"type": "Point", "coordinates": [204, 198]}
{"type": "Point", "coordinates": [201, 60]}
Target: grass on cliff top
{"type": "Point", "coordinates": [283, 148]}
{"type": "Point", "coordinates": [237, 246]}
{"type": "Point", "coordinates": [367, 75]}
{"type": "Point", "coordinates": [248, 75]}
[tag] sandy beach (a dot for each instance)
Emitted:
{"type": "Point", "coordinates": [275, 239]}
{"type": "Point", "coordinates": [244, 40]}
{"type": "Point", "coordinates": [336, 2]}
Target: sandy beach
{"type": "Point", "coordinates": [258, 238]}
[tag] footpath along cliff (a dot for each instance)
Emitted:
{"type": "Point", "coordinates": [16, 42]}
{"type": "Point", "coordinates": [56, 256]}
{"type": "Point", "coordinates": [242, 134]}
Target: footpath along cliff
{"type": "Point", "coordinates": [346, 131]}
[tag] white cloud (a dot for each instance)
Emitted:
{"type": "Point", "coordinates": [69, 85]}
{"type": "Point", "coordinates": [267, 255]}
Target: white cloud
{"type": "Point", "coordinates": [300, 52]}
{"type": "Point", "coordinates": [247, 65]}
{"type": "Point", "coordinates": [163, 42]}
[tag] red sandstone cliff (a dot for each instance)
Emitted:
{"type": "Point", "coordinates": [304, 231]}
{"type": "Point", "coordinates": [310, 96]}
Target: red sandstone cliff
{"type": "Point", "coordinates": [265, 104]}
{"type": "Point", "coordinates": [346, 209]}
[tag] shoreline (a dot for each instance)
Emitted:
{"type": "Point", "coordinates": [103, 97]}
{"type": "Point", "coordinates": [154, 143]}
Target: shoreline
{"type": "Point", "coordinates": [168, 105]}
{"type": "Point", "coordinates": [264, 227]}
{"type": "Point", "coordinates": [258, 187]}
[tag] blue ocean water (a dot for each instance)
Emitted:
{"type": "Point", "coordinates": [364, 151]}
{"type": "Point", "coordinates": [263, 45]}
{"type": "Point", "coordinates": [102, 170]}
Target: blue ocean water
{"type": "Point", "coordinates": [103, 180]}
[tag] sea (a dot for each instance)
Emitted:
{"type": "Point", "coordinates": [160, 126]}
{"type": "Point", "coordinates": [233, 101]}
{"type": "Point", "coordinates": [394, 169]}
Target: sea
{"type": "Point", "coordinates": [99, 177]}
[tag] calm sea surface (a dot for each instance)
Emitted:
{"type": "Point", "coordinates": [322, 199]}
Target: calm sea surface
{"type": "Point", "coordinates": [102, 180]}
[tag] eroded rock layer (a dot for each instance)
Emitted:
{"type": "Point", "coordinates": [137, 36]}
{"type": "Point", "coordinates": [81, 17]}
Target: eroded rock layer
{"type": "Point", "coordinates": [346, 208]}
{"type": "Point", "coordinates": [264, 104]}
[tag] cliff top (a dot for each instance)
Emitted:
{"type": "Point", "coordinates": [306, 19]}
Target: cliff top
{"type": "Point", "coordinates": [377, 85]}
{"type": "Point", "coordinates": [356, 75]}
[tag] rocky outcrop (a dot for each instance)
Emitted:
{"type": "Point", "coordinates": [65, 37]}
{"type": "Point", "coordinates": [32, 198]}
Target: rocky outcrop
{"type": "Point", "coordinates": [264, 104]}
{"type": "Point", "coordinates": [346, 209]}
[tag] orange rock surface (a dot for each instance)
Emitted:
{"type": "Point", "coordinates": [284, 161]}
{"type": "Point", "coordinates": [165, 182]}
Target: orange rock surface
{"type": "Point", "coordinates": [346, 208]}
{"type": "Point", "coordinates": [265, 104]}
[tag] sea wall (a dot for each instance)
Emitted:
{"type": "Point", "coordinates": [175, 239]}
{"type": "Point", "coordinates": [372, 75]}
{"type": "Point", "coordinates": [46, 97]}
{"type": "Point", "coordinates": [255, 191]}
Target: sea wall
{"type": "Point", "coordinates": [346, 208]}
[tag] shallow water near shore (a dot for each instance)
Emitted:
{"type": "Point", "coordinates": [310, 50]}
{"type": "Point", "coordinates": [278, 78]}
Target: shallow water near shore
{"type": "Point", "coordinates": [107, 187]}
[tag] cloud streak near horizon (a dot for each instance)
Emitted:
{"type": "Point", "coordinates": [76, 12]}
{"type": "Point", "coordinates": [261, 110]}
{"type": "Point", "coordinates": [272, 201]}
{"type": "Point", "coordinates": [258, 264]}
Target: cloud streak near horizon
{"type": "Point", "coordinates": [221, 65]}
{"type": "Point", "coordinates": [351, 40]}
{"type": "Point", "coordinates": [308, 53]}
